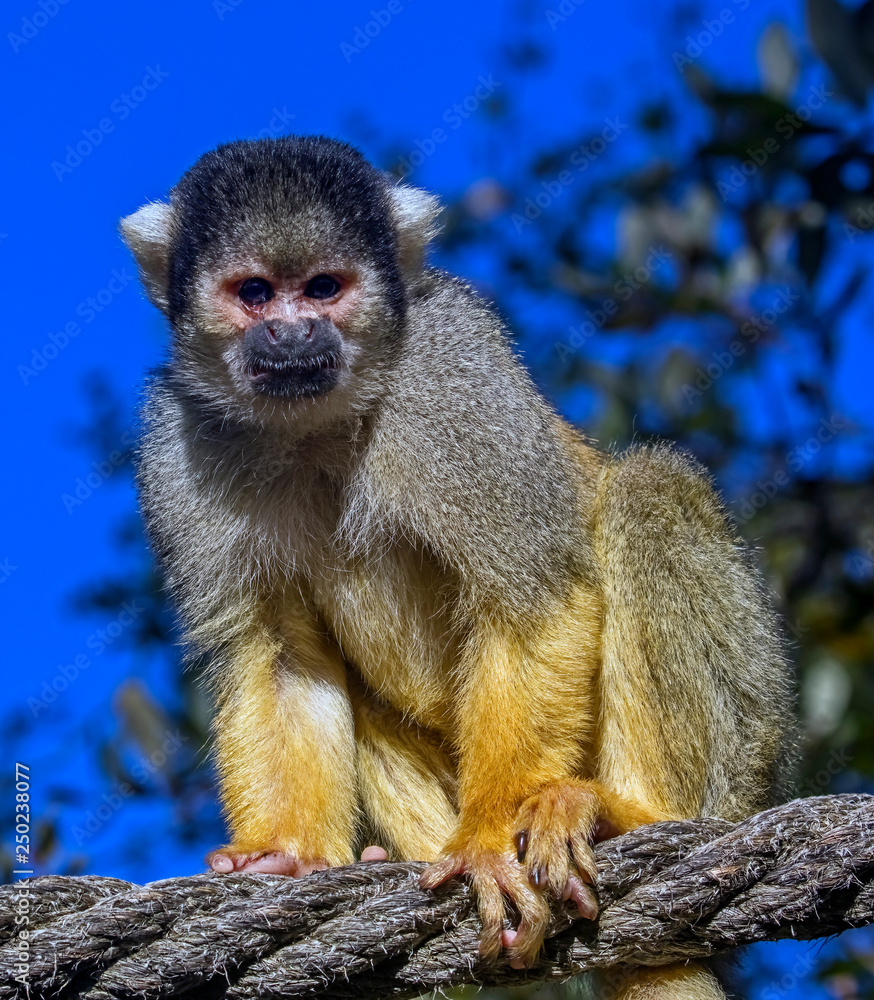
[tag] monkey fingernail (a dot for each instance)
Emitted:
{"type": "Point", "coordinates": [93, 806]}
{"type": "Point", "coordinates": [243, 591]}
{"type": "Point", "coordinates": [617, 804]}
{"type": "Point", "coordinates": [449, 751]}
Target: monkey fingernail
{"type": "Point", "coordinates": [521, 841]}
{"type": "Point", "coordinates": [537, 877]}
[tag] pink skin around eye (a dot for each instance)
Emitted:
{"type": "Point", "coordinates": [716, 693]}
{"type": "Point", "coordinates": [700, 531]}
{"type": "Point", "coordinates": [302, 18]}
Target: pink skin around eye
{"type": "Point", "coordinates": [288, 304]}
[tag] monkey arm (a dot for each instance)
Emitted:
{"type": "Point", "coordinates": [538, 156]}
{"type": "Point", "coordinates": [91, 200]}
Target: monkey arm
{"type": "Point", "coordinates": [526, 717]}
{"type": "Point", "coordinates": [286, 751]}
{"type": "Point", "coordinates": [527, 710]}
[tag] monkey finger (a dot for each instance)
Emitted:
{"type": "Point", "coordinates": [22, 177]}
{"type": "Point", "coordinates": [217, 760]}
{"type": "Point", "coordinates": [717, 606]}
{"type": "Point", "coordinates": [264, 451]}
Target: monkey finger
{"type": "Point", "coordinates": [308, 867]}
{"type": "Point", "coordinates": [220, 862]}
{"type": "Point", "coordinates": [582, 856]}
{"type": "Point", "coordinates": [269, 862]}
{"type": "Point", "coordinates": [374, 853]}
{"type": "Point", "coordinates": [582, 895]}
{"type": "Point", "coordinates": [440, 872]}
{"type": "Point", "coordinates": [508, 940]}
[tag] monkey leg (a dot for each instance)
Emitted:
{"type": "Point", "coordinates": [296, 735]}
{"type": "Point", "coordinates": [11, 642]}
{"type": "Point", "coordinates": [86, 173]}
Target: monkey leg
{"type": "Point", "coordinates": [526, 717]}
{"type": "Point", "coordinates": [286, 754]}
{"type": "Point", "coordinates": [407, 780]}
{"type": "Point", "coordinates": [692, 688]}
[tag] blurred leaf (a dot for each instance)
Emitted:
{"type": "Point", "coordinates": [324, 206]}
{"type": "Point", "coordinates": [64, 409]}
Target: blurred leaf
{"type": "Point", "coordinates": [778, 62]}
{"type": "Point", "coordinates": [143, 719]}
{"type": "Point", "coordinates": [845, 49]}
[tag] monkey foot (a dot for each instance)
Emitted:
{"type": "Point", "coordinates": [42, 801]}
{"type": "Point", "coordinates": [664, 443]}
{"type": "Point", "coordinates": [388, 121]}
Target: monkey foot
{"type": "Point", "coordinates": [226, 859]}
{"type": "Point", "coordinates": [556, 829]}
{"type": "Point", "coordinates": [497, 879]}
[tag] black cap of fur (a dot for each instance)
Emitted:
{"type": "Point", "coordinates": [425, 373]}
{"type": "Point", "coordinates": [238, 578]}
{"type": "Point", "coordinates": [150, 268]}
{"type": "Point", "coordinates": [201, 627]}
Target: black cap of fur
{"type": "Point", "coordinates": [243, 179]}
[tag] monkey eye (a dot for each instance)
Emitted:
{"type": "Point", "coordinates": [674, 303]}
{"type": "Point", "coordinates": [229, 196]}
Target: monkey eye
{"type": "Point", "coordinates": [323, 286]}
{"type": "Point", "coordinates": [255, 291]}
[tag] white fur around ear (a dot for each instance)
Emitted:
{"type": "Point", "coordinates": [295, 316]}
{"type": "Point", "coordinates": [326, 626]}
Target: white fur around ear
{"type": "Point", "coordinates": [415, 217]}
{"type": "Point", "coordinates": [148, 233]}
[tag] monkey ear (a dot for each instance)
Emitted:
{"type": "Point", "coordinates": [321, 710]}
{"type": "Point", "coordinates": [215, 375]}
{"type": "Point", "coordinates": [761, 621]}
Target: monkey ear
{"type": "Point", "coordinates": [415, 217]}
{"type": "Point", "coordinates": [148, 234]}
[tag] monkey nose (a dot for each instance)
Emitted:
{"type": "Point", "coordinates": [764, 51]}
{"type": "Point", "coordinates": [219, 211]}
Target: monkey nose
{"type": "Point", "coordinates": [275, 337]}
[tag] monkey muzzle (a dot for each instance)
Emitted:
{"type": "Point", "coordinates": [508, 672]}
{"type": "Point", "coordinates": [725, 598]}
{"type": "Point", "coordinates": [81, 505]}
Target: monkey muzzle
{"type": "Point", "coordinates": [291, 360]}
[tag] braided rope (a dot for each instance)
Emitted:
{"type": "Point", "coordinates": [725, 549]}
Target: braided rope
{"type": "Point", "coordinates": [669, 891]}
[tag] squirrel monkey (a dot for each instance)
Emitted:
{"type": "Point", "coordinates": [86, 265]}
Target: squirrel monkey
{"type": "Point", "coordinates": [433, 611]}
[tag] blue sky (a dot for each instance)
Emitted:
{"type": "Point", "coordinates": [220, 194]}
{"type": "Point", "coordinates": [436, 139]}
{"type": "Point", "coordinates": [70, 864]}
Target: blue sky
{"type": "Point", "coordinates": [106, 105]}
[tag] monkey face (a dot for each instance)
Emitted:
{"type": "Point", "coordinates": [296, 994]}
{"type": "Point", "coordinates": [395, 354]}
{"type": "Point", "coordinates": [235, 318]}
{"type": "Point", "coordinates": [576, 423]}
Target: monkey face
{"type": "Point", "coordinates": [280, 339]}
{"type": "Point", "coordinates": [289, 344]}
{"type": "Point", "coordinates": [296, 350]}
{"type": "Point", "coordinates": [284, 268]}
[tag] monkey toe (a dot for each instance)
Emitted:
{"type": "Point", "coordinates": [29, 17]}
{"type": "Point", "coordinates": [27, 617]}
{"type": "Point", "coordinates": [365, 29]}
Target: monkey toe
{"type": "Point", "coordinates": [547, 865]}
{"type": "Point", "coordinates": [482, 869]}
{"type": "Point", "coordinates": [374, 853]}
{"type": "Point", "coordinates": [508, 941]}
{"type": "Point", "coordinates": [490, 903]}
{"type": "Point", "coordinates": [506, 883]}
{"type": "Point", "coordinates": [522, 944]}
{"type": "Point", "coordinates": [441, 871]}
{"type": "Point", "coordinates": [582, 857]}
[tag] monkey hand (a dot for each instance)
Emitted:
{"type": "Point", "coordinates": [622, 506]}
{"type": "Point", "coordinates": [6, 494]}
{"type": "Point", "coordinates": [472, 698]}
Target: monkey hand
{"type": "Point", "coordinates": [496, 876]}
{"type": "Point", "coordinates": [237, 859]}
{"type": "Point", "coordinates": [231, 859]}
{"type": "Point", "coordinates": [555, 830]}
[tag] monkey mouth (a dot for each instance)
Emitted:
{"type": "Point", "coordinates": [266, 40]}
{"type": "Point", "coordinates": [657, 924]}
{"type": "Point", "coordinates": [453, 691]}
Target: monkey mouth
{"type": "Point", "coordinates": [292, 377]}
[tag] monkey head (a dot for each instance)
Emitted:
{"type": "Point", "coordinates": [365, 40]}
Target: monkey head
{"type": "Point", "coordinates": [284, 267]}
